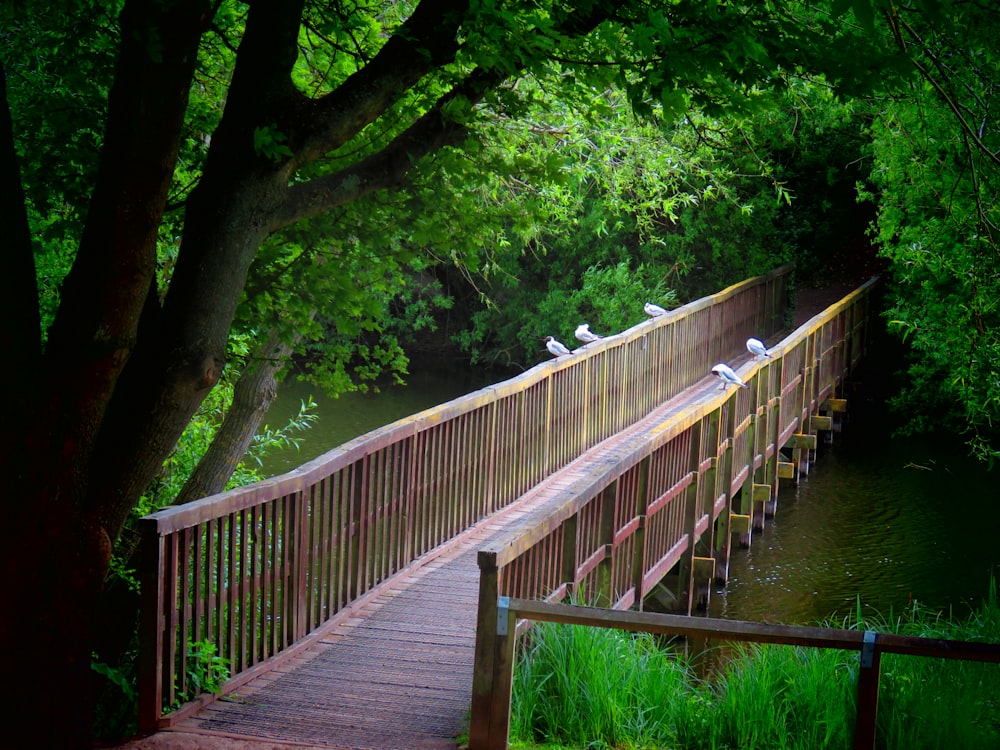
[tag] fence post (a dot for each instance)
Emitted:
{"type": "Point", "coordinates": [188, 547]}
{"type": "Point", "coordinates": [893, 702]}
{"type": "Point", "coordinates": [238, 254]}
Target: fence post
{"type": "Point", "coordinates": [486, 636]}
{"type": "Point", "coordinates": [604, 596]}
{"type": "Point", "coordinates": [503, 675]}
{"type": "Point", "coordinates": [868, 679]}
{"type": "Point", "coordinates": [151, 626]}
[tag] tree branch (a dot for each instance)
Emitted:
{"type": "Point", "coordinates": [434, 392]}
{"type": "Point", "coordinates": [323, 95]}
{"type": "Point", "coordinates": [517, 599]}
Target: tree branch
{"type": "Point", "coordinates": [427, 40]}
{"type": "Point", "coordinates": [388, 167]}
{"type": "Point", "coordinates": [897, 24]}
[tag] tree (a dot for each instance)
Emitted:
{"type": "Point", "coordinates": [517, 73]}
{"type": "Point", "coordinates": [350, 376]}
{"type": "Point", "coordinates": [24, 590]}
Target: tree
{"type": "Point", "coordinates": [613, 211]}
{"type": "Point", "coordinates": [170, 202]}
{"type": "Point", "coordinates": [936, 166]}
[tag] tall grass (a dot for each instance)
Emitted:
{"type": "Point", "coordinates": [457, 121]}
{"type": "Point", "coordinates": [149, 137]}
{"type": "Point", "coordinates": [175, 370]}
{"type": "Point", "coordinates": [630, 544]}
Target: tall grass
{"type": "Point", "coordinates": [939, 703]}
{"type": "Point", "coordinates": [593, 687]}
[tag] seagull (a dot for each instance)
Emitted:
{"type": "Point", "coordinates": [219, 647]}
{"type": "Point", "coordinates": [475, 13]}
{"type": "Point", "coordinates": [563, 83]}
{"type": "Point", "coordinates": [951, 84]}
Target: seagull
{"type": "Point", "coordinates": [757, 349]}
{"type": "Point", "coordinates": [726, 375]}
{"type": "Point", "coordinates": [556, 348]}
{"type": "Point", "coordinates": [584, 333]}
{"type": "Point", "coordinates": [653, 310]}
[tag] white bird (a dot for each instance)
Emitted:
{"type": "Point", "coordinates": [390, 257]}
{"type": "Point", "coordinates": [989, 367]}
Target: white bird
{"type": "Point", "coordinates": [757, 349]}
{"type": "Point", "coordinates": [726, 374]}
{"type": "Point", "coordinates": [556, 348]}
{"type": "Point", "coordinates": [584, 333]}
{"type": "Point", "coordinates": [653, 310]}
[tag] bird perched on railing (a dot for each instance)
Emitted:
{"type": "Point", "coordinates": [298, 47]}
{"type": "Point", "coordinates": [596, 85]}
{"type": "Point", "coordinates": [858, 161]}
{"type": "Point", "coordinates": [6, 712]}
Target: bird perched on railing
{"type": "Point", "coordinates": [584, 333]}
{"type": "Point", "coordinates": [757, 349]}
{"type": "Point", "coordinates": [726, 374]}
{"type": "Point", "coordinates": [653, 310]}
{"type": "Point", "coordinates": [556, 348]}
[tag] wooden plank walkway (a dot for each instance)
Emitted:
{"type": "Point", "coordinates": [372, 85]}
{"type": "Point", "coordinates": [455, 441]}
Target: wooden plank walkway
{"type": "Point", "coordinates": [395, 670]}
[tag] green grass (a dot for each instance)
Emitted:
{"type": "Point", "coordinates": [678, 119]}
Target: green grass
{"type": "Point", "coordinates": [579, 687]}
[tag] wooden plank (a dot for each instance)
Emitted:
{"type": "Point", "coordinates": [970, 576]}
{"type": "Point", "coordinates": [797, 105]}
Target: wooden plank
{"type": "Point", "coordinates": [786, 470]}
{"type": "Point", "coordinates": [739, 630]}
{"type": "Point", "coordinates": [739, 523]}
{"type": "Point", "coordinates": [801, 440]}
{"type": "Point", "coordinates": [834, 405]}
{"type": "Point", "coordinates": [820, 422]}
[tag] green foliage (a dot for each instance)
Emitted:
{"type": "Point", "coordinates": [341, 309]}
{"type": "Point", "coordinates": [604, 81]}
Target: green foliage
{"type": "Point", "coordinates": [118, 700]}
{"type": "Point", "coordinates": [579, 687]}
{"type": "Point", "coordinates": [591, 687]}
{"type": "Point", "coordinates": [271, 143]}
{"type": "Point", "coordinates": [916, 692]}
{"type": "Point", "coordinates": [199, 435]}
{"type": "Point", "coordinates": [591, 213]}
{"type": "Point", "coordinates": [934, 150]}
{"type": "Point", "coordinates": [269, 439]}
{"type": "Point", "coordinates": [206, 671]}
{"type": "Point", "coordinates": [786, 697]}
{"type": "Point", "coordinates": [599, 688]}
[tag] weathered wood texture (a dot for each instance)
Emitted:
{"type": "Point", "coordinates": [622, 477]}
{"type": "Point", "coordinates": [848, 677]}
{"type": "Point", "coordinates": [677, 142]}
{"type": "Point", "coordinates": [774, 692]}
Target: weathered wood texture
{"type": "Point", "coordinates": [672, 496]}
{"type": "Point", "coordinates": [254, 571]}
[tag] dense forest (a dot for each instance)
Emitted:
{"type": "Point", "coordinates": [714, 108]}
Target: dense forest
{"type": "Point", "coordinates": [198, 193]}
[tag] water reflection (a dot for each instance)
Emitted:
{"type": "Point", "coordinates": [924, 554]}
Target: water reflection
{"type": "Point", "coordinates": [885, 520]}
{"type": "Point", "coordinates": [353, 414]}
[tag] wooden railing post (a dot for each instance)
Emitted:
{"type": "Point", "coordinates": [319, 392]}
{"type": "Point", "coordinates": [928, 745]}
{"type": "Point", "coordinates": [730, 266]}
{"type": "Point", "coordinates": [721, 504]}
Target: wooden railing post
{"type": "Point", "coordinates": [151, 626]}
{"type": "Point", "coordinates": [503, 675]}
{"type": "Point", "coordinates": [868, 680]}
{"type": "Point", "coordinates": [486, 635]}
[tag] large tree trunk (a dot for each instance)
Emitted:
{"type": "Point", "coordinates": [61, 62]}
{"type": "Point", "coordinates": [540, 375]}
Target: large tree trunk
{"type": "Point", "coordinates": [55, 554]}
{"type": "Point", "coordinates": [122, 374]}
{"type": "Point", "coordinates": [253, 394]}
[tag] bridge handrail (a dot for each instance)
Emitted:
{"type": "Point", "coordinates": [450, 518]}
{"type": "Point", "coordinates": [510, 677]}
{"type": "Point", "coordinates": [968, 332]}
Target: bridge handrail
{"type": "Point", "coordinates": [252, 571]}
{"type": "Point", "coordinates": [763, 323]}
{"type": "Point", "coordinates": [671, 495]}
{"type": "Point", "coordinates": [604, 470]}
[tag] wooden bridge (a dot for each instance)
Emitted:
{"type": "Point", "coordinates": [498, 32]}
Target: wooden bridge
{"type": "Point", "coordinates": [346, 595]}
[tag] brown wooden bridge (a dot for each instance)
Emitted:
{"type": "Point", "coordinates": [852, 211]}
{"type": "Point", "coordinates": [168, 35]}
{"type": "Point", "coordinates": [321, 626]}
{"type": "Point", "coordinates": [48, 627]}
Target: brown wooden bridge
{"type": "Point", "coordinates": [347, 595]}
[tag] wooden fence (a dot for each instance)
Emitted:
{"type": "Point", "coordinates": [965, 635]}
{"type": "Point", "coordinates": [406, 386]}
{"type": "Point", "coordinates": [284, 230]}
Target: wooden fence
{"type": "Point", "coordinates": [251, 575]}
{"type": "Point", "coordinates": [491, 732]}
{"type": "Point", "coordinates": [674, 497]}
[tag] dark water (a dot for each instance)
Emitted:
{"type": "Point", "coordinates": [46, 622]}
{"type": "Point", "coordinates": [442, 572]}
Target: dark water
{"type": "Point", "coordinates": [353, 414]}
{"type": "Point", "coordinates": [879, 519]}
{"type": "Point", "coordinates": [889, 520]}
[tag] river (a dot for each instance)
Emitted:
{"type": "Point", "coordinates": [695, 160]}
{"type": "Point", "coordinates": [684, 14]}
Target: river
{"type": "Point", "coordinates": [886, 519]}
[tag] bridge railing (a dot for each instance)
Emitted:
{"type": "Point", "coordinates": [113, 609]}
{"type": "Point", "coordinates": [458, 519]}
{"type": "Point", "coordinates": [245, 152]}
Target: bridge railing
{"type": "Point", "coordinates": [673, 497]}
{"type": "Point", "coordinates": [870, 646]}
{"type": "Point", "coordinates": [247, 574]}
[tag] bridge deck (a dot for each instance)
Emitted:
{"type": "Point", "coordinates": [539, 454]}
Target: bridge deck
{"type": "Point", "coordinates": [396, 670]}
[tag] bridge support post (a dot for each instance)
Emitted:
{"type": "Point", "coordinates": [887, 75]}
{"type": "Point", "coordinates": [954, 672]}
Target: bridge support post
{"type": "Point", "coordinates": [483, 677]}
{"type": "Point", "coordinates": [801, 444]}
{"type": "Point", "coordinates": [761, 494]}
{"type": "Point", "coordinates": [703, 575]}
{"type": "Point", "coordinates": [151, 632]}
